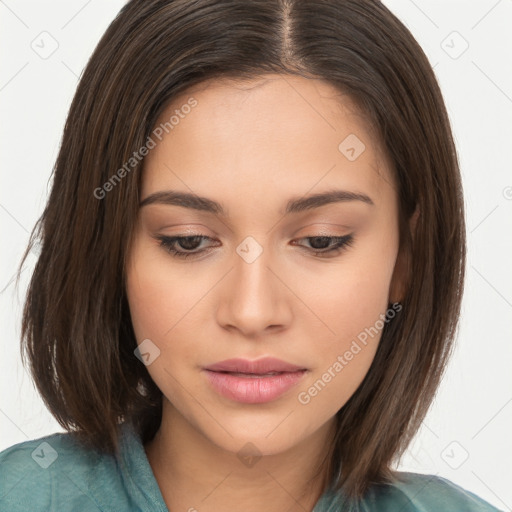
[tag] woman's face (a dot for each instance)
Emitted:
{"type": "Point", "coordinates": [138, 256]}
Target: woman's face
{"type": "Point", "coordinates": [264, 284]}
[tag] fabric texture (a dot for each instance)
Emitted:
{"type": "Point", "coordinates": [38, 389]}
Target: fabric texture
{"type": "Point", "coordinates": [55, 473]}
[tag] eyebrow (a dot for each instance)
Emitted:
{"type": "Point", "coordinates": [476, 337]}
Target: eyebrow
{"type": "Point", "coordinates": [294, 205]}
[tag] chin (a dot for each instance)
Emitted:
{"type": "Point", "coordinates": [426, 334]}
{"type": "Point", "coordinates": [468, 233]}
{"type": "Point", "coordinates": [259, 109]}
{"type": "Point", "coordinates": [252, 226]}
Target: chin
{"type": "Point", "coordinates": [268, 434]}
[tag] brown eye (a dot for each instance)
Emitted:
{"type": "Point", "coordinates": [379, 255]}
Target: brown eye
{"type": "Point", "coordinates": [183, 246]}
{"type": "Point", "coordinates": [320, 245]}
{"type": "Point", "coordinates": [188, 246]}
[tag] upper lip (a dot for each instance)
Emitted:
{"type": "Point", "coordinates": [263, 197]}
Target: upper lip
{"type": "Point", "coordinates": [264, 365]}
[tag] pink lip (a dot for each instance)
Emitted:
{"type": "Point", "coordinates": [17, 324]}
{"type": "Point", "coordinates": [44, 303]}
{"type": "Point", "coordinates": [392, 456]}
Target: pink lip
{"type": "Point", "coordinates": [264, 365]}
{"type": "Point", "coordinates": [253, 388]}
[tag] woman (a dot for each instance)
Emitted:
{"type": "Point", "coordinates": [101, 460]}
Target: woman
{"type": "Point", "coordinates": [251, 267]}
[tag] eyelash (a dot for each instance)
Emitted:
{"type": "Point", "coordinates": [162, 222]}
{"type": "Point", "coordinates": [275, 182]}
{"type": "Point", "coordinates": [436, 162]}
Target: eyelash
{"type": "Point", "coordinates": [167, 242]}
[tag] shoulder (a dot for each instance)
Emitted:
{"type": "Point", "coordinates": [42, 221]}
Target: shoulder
{"type": "Point", "coordinates": [51, 473]}
{"type": "Point", "coordinates": [420, 492]}
{"type": "Point", "coordinates": [410, 492]}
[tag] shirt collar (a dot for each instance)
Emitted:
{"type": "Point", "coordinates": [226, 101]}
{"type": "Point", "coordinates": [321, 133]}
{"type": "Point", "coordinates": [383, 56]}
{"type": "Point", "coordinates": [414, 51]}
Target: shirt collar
{"type": "Point", "coordinates": [138, 477]}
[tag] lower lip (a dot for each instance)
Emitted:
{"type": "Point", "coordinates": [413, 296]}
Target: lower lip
{"type": "Point", "coordinates": [253, 390]}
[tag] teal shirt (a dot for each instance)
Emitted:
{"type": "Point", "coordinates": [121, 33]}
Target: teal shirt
{"type": "Point", "coordinates": [54, 473]}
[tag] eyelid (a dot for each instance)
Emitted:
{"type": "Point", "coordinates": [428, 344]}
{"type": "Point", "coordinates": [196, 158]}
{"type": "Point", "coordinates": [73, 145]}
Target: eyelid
{"type": "Point", "coordinates": [339, 244]}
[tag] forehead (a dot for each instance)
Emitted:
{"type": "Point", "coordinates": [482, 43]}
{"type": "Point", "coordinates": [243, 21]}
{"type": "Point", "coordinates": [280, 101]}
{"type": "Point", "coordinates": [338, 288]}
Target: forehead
{"type": "Point", "coordinates": [277, 131]}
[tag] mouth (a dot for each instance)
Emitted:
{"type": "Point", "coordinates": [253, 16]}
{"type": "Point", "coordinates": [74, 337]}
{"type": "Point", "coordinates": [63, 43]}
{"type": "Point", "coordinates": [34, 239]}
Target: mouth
{"type": "Point", "coordinates": [253, 382]}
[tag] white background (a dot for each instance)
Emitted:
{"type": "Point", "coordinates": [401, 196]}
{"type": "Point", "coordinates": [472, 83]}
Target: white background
{"type": "Point", "coordinates": [466, 436]}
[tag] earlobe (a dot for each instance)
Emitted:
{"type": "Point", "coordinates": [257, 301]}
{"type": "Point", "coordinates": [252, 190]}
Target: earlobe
{"type": "Point", "coordinates": [413, 221]}
{"type": "Point", "coordinates": [401, 272]}
{"type": "Point", "coordinates": [398, 284]}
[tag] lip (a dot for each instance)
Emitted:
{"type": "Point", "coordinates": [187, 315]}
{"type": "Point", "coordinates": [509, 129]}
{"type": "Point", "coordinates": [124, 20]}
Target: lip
{"type": "Point", "coordinates": [254, 389]}
{"type": "Point", "coordinates": [260, 366]}
{"type": "Point", "coordinates": [245, 381]}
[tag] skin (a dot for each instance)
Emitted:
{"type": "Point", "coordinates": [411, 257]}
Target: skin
{"type": "Point", "coordinates": [252, 146]}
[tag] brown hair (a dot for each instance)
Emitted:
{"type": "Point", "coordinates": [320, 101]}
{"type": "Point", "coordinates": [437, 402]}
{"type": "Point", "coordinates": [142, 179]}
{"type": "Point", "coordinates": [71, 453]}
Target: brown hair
{"type": "Point", "coordinates": [76, 328]}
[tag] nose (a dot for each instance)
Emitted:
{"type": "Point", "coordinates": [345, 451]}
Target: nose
{"type": "Point", "coordinates": [254, 298]}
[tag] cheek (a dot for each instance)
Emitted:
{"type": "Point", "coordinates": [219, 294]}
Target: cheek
{"type": "Point", "coordinates": [161, 307]}
{"type": "Point", "coordinates": [353, 309]}
{"type": "Point", "coordinates": [351, 294]}
{"type": "Point", "coordinates": [158, 296]}
{"type": "Point", "coordinates": [345, 357]}
{"type": "Point", "coordinates": [148, 302]}
{"type": "Point", "coordinates": [162, 310]}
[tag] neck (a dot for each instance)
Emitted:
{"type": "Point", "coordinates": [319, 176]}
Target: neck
{"type": "Point", "coordinates": [193, 473]}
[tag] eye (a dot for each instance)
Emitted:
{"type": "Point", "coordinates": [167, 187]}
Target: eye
{"type": "Point", "coordinates": [189, 246]}
{"type": "Point", "coordinates": [331, 245]}
{"type": "Point", "coordinates": [188, 243]}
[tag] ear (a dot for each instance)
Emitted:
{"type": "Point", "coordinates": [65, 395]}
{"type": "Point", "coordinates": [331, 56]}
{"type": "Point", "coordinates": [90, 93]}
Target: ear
{"type": "Point", "coordinates": [400, 278]}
